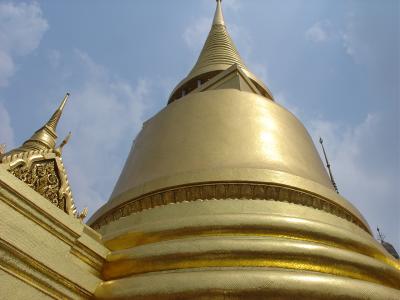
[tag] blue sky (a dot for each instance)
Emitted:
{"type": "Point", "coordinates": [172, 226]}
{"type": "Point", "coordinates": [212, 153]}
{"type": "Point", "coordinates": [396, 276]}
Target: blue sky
{"type": "Point", "coordinates": [335, 64]}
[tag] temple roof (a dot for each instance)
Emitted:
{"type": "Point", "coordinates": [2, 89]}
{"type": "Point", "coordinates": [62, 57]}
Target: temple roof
{"type": "Point", "coordinates": [40, 152]}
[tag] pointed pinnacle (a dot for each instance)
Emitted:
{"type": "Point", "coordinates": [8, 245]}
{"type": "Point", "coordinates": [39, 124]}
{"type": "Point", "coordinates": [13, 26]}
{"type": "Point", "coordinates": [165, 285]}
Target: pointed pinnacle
{"type": "Point", "coordinates": [64, 101]}
{"type": "Point", "coordinates": [218, 17]}
{"type": "Point", "coordinates": [52, 123]}
{"type": "Point", "coordinates": [65, 141]}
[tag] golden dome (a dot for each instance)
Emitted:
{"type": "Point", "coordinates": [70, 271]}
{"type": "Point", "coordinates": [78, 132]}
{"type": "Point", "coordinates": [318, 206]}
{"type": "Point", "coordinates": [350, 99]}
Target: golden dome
{"type": "Point", "coordinates": [221, 135]}
{"type": "Point", "coordinates": [225, 129]}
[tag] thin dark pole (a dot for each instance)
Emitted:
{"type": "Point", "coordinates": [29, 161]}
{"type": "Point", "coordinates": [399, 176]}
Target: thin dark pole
{"type": "Point", "coordinates": [328, 166]}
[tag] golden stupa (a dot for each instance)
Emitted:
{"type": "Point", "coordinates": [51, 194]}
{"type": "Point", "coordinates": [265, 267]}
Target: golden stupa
{"type": "Point", "coordinates": [223, 196]}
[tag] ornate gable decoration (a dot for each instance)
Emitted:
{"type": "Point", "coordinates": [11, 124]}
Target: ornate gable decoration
{"type": "Point", "coordinates": [38, 164]}
{"type": "Point", "coordinates": [43, 177]}
{"type": "Point", "coordinates": [44, 172]}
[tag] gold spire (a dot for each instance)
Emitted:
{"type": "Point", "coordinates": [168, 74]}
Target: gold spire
{"type": "Point", "coordinates": [218, 54]}
{"type": "Point", "coordinates": [219, 51]}
{"type": "Point", "coordinates": [52, 123]}
{"type": "Point", "coordinates": [45, 137]}
{"type": "Point", "coordinates": [218, 17]}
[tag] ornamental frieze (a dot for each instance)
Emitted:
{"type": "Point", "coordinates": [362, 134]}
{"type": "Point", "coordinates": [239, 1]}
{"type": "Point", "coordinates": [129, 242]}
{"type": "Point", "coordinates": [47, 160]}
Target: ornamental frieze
{"type": "Point", "coordinates": [220, 191]}
{"type": "Point", "coordinates": [42, 176]}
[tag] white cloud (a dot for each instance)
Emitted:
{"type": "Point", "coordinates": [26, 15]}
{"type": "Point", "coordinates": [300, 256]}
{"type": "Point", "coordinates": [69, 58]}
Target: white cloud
{"type": "Point", "coordinates": [352, 37]}
{"type": "Point", "coordinates": [362, 172]}
{"type": "Point", "coordinates": [104, 114]}
{"type": "Point", "coordinates": [54, 57]}
{"type": "Point", "coordinates": [196, 34]}
{"type": "Point", "coordinates": [324, 31]}
{"type": "Point", "coordinates": [21, 29]}
{"type": "Point", "coordinates": [348, 43]}
{"type": "Point", "coordinates": [319, 32]}
{"type": "Point", "coordinates": [6, 131]}
{"type": "Point", "coordinates": [355, 45]}
{"type": "Point", "coordinates": [7, 68]}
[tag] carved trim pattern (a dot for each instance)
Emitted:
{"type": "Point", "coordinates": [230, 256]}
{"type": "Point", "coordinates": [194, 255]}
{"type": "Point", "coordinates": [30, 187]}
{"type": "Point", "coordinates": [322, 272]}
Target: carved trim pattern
{"type": "Point", "coordinates": [42, 176]}
{"type": "Point", "coordinates": [27, 159]}
{"type": "Point", "coordinates": [222, 191]}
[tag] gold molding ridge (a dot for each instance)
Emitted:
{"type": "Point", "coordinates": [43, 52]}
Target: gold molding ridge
{"type": "Point", "coordinates": [95, 262]}
{"type": "Point", "coordinates": [69, 240]}
{"type": "Point", "coordinates": [53, 226]}
{"type": "Point", "coordinates": [42, 269]}
{"type": "Point", "coordinates": [28, 280]}
{"type": "Point", "coordinates": [132, 267]}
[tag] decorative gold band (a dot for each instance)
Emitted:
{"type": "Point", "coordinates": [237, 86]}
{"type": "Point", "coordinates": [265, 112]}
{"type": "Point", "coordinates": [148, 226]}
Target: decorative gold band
{"type": "Point", "coordinates": [244, 284]}
{"type": "Point", "coordinates": [227, 190]}
{"type": "Point", "coordinates": [301, 260]}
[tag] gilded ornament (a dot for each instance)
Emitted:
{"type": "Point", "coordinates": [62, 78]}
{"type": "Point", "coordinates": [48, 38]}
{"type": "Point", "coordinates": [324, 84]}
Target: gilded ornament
{"type": "Point", "coordinates": [38, 163]}
{"type": "Point", "coordinates": [169, 196]}
{"type": "Point", "coordinates": [43, 177]}
{"type": "Point", "coordinates": [248, 191]}
{"type": "Point", "coordinates": [220, 191]}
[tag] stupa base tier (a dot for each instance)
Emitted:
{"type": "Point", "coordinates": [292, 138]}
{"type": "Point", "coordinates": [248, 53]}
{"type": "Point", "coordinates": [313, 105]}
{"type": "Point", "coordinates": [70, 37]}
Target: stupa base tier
{"type": "Point", "coordinates": [243, 283]}
{"type": "Point", "coordinates": [242, 249]}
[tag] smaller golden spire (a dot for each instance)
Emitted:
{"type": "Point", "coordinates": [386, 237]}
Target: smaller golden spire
{"type": "Point", "coordinates": [45, 137]}
{"type": "Point", "coordinates": [59, 149]}
{"type": "Point", "coordinates": [52, 123]}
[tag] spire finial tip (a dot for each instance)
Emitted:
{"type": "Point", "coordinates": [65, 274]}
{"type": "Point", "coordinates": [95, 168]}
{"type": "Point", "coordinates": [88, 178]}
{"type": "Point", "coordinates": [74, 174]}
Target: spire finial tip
{"type": "Point", "coordinates": [218, 18]}
{"type": "Point", "coordinates": [64, 101]}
